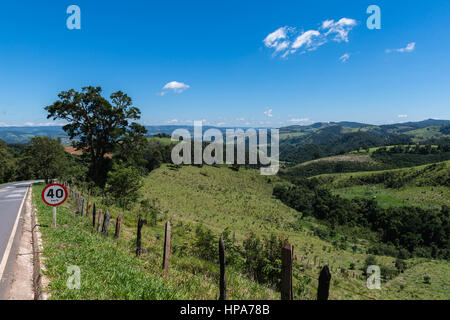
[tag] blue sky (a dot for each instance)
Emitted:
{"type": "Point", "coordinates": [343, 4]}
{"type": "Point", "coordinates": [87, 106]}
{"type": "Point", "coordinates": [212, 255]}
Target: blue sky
{"type": "Point", "coordinates": [216, 66]}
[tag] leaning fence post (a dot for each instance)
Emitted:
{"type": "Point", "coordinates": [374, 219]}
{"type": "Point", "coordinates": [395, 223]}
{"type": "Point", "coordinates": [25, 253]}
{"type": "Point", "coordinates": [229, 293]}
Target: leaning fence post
{"type": "Point", "coordinates": [324, 284]}
{"type": "Point", "coordinates": [166, 255]}
{"type": "Point", "coordinates": [106, 223]}
{"type": "Point", "coordinates": [118, 227]}
{"type": "Point", "coordinates": [138, 238]}
{"type": "Point", "coordinates": [222, 283]}
{"type": "Point", "coordinates": [287, 253]}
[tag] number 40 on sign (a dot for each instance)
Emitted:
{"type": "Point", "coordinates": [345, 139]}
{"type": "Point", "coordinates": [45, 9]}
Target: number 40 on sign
{"type": "Point", "coordinates": [54, 195]}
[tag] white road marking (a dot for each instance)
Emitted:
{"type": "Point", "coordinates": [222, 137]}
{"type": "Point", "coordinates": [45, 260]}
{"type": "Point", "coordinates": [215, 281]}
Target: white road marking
{"type": "Point", "coordinates": [14, 196]}
{"type": "Point", "coordinates": [11, 239]}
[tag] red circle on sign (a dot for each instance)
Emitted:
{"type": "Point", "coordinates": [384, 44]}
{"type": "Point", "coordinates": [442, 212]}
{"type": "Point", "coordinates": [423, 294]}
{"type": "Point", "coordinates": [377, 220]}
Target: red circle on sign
{"type": "Point", "coordinates": [53, 204]}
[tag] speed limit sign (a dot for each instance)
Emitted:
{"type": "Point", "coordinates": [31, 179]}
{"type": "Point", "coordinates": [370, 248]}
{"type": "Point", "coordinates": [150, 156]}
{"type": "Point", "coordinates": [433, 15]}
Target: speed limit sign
{"type": "Point", "coordinates": [54, 194]}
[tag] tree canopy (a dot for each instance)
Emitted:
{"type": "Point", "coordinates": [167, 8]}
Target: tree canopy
{"type": "Point", "coordinates": [96, 124]}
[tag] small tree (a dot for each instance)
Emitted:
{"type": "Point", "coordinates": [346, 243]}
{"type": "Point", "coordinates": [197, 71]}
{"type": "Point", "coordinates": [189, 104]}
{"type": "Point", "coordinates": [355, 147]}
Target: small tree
{"type": "Point", "coordinates": [124, 183]}
{"type": "Point", "coordinates": [150, 210]}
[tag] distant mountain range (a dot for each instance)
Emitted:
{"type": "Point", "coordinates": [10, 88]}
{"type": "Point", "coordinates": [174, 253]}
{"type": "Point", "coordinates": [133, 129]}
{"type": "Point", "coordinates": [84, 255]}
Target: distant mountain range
{"type": "Point", "coordinates": [293, 135]}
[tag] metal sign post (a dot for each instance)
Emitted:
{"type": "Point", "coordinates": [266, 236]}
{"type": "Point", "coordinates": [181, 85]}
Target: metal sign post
{"type": "Point", "coordinates": [54, 195]}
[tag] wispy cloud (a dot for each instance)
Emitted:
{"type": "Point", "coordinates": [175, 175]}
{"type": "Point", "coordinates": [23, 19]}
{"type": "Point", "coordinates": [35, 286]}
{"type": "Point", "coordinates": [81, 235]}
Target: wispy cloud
{"type": "Point", "coordinates": [409, 48]}
{"type": "Point", "coordinates": [344, 57]}
{"type": "Point", "coordinates": [338, 30]}
{"type": "Point", "coordinates": [278, 39]}
{"type": "Point", "coordinates": [174, 86]}
{"type": "Point", "coordinates": [268, 113]}
{"type": "Point", "coordinates": [299, 120]}
{"type": "Point", "coordinates": [402, 116]}
{"type": "Point", "coordinates": [287, 41]}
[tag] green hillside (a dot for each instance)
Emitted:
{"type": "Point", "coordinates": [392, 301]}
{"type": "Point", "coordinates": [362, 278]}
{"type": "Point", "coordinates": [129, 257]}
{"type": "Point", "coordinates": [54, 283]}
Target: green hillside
{"type": "Point", "coordinates": [425, 186]}
{"type": "Point", "coordinates": [217, 199]}
{"type": "Point", "coordinates": [241, 201]}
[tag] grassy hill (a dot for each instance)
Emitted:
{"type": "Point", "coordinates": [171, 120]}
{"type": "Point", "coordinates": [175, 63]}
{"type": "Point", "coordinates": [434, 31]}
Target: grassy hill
{"type": "Point", "coordinates": [241, 201]}
{"type": "Point", "coordinates": [220, 198]}
{"type": "Point", "coordinates": [425, 186]}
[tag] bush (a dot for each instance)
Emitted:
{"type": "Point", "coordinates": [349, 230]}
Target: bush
{"type": "Point", "coordinates": [205, 244]}
{"type": "Point", "coordinates": [263, 258]}
{"type": "Point", "coordinates": [400, 265]}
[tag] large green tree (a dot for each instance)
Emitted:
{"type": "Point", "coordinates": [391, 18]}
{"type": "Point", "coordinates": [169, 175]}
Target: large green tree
{"type": "Point", "coordinates": [46, 158]}
{"type": "Point", "coordinates": [96, 124]}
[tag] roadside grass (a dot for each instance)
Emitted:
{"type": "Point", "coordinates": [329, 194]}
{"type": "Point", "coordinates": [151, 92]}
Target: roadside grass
{"type": "Point", "coordinates": [106, 271]}
{"type": "Point", "coordinates": [110, 270]}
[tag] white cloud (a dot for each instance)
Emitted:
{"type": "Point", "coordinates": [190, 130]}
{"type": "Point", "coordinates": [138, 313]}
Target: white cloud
{"type": "Point", "coordinates": [306, 39]}
{"type": "Point", "coordinates": [173, 121]}
{"type": "Point", "coordinates": [402, 116]}
{"type": "Point", "coordinates": [409, 48]}
{"type": "Point", "coordinates": [277, 39]}
{"type": "Point", "coordinates": [268, 113]}
{"type": "Point", "coordinates": [310, 40]}
{"type": "Point", "coordinates": [174, 86]}
{"type": "Point", "coordinates": [240, 119]}
{"type": "Point", "coordinates": [339, 29]}
{"type": "Point", "coordinates": [286, 41]}
{"type": "Point", "coordinates": [344, 57]}
{"type": "Point", "coordinates": [298, 120]}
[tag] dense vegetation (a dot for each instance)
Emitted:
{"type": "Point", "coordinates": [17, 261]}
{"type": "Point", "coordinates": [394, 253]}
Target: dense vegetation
{"type": "Point", "coordinates": [327, 144]}
{"type": "Point", "coordinates": [407, 156]}
{"type": "Point", "coordinates": [422, 232]}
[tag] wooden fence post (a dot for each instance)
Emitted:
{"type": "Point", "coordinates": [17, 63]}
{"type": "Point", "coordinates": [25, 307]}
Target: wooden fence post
{"type": "Point", "coordinates": [287, 253]}
{"type": "Point", "coordinates": [138, 237]}
{"type": "Point", "coordinates": [106, 223]}
{"type": "Point", "coordinates": [324, 284]}
{"type": "Point", "coordinates": [222, 283]}
{"type": "Point", "coordinates": [82, 207]}
{"type": "Point", "coordinates": [88, 206]}
{"type": "Point", "coordinates": [99, 220]}
{"type": "Point", "coordinates": [118, 227]}
{"type": "Point", "coordinates": [166, 255]}
{"type": "Point", "coordinates": [94, 213]}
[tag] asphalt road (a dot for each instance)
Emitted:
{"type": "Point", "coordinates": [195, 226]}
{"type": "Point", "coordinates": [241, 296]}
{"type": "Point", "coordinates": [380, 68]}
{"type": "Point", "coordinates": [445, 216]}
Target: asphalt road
{"type": "Point", "coordinates": [12, 205]}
